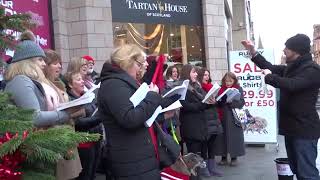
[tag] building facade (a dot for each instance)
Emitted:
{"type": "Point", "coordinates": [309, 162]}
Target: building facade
{"type": "Point", "coordinates": [191, 31]}
{"type": "Point", "coordinates": [242, 24]}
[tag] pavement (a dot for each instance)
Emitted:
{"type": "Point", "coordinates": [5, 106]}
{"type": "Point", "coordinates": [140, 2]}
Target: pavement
{"type": "Point", "coordinates": [257, 164]}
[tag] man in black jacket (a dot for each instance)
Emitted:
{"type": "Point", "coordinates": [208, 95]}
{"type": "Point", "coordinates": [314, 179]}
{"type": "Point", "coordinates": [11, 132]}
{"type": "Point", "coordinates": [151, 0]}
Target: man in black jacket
{"type": "Point", "coordinates": [299, 83]}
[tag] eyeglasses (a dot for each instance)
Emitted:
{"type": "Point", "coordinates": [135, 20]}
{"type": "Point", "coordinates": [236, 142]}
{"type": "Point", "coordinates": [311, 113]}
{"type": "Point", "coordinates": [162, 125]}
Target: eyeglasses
{"type": "Point", "coordinates": [140, 64]}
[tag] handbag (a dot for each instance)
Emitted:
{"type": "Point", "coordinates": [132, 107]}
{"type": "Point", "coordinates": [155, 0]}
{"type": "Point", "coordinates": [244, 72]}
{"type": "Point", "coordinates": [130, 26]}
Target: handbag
{"type": "Point", "coordinates": [168, 149]}
{"type": "Point", "coordinates": [242, 117]}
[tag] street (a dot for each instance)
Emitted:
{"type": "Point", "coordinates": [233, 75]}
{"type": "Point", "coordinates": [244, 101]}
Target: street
{"type": "Point", "coordinates": [257, 164]}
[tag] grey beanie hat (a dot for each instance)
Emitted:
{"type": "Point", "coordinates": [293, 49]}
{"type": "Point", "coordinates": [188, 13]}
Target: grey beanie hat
{"type": "Point", "coordinates": [27, 49]}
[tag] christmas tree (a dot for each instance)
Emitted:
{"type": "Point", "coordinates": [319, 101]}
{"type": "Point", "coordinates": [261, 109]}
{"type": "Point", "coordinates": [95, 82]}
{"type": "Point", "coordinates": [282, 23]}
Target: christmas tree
{"type": "Point", "coordinates": [27, 152]}
{"type": "Point", "coordinates": [16, 22]}
{"type": "Point", "coordinates": [30, 153]}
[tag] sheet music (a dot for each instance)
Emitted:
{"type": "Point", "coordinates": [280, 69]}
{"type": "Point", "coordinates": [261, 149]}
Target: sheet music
{"type": "Point", "coordinates": [140, 94]}
{"type": "Point", "coordinates": [212, 92]}
{"type": "Point", "coordinates": [181, 90]}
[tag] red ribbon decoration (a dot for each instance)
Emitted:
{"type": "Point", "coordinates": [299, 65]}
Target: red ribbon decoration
{"type": "Point", "coordinates": [157, 77]}
{"type": "Point", "coordinates": [11, 162]}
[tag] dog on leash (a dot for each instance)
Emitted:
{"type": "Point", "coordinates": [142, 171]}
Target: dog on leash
{"type": "Point", "coordinates": [188, 164]}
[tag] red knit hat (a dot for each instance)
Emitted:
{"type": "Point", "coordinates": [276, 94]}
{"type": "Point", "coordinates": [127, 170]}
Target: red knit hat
{"type": "Point", "coordinates": [88, 58]}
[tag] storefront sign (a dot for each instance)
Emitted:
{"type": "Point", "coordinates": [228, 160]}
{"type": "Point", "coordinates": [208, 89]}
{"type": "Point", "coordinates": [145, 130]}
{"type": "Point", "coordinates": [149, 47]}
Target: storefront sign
{"type": "Point", "coordinates": [186, 12]}
{"type": "Point", "coordinates": [262, 106]}
{"type": "Point", "coordinates": [39, 10]}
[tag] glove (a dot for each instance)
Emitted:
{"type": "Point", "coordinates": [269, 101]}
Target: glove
{"type": "Point", "coordinates": [205, 106]}
{"type": "Point", "coordinates": [223, 100]}
{"type": "Point", "coordinates": [79, 113]}
{"type": "Point", "coordinates": [167, 101]}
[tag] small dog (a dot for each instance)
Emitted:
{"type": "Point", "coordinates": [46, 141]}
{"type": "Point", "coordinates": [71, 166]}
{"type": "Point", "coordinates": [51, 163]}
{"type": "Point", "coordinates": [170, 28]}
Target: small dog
{"type": "Point", "coordinates": [188, 164]}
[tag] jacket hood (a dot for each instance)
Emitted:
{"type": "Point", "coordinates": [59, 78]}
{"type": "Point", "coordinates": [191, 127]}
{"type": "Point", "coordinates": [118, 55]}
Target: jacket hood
{"type": "Point", "coordinates": [111, 71]}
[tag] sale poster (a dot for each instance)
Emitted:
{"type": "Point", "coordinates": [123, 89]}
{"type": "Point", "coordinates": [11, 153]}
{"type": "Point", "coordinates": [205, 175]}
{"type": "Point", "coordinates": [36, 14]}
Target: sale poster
{"type": "Point", "coordinates": [261, 105]}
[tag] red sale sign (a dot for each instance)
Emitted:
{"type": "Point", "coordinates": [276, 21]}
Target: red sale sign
{"type": "Point", "coordinates": [39, 11]}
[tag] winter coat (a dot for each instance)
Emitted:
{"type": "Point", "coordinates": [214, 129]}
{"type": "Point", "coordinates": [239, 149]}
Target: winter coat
{"type": "Point", "coordinates": [130, 147]}
{"type": "Point", "coordinates": [89, 155]}
{"type": "Point", "coordinates": [89, 123]}
{"type": "Point", "coordinates": [299, 84]}
{"type": "Point", "coordinates": [232, 140]}
{"type": "Point", "coordinates": [27, 93]}
{"type": "Point", "coordinates": [30, 94]}
{"type": "Point", "coordinates": [198, 120]}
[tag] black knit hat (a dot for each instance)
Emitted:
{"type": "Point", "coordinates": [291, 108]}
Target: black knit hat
{"type": "Point", "coordinates": [299, 43]}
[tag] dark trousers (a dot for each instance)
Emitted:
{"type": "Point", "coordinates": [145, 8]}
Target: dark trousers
{"type": "Point", "coordinates": [89, 158]}
{"type": "Point", "coordinates": [203, 148]}
{"type": "Point", "coordinates": [302, 154]}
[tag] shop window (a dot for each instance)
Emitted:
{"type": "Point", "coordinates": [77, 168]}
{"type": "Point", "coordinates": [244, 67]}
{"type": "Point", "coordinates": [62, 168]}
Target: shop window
{"type": "Point", "coordinates": [182, 43]}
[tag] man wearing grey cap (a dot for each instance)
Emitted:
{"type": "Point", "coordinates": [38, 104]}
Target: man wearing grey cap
{"type": "Point", "coordinates": [299, 83]}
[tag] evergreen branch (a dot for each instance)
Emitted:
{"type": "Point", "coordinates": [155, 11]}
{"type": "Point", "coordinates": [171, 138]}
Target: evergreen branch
{"type": "Point", "coordinates": [10, 146]}
{"type": "Point", "coordinates": [13, 113]}
{"type": "Point", "coordinates": [32, 175]}
{"type": "Point", "coordinates": [14, 126]}
{"type": "Point", "coordinates": [59, 139]}
{"type": "Point", "coordinates": [36, 153]}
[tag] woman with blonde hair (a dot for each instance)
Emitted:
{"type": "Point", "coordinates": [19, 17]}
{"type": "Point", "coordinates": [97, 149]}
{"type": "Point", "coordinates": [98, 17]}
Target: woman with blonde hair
{"type": "Point", "coordinates": [130, 143]}
{"type": "Point", "coordinates": [30, 88]}
{"type": "Point", "coordinates": [25, 78]}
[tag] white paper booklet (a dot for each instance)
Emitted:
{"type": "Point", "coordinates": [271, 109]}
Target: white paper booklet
{"type": "Point", "coordinates": [140, 94]}
{"type": "Point", "coordinates": [86, 98]}
{"type": "Point", "coordinates": [181, 90]}
{"type": "Point", "coordinates": [212, 92]}
{"type": "Point", "coordinates": [231, 93]}
{"type": "Point", "coordinates": [159, 110]}
{"type": "Point", "coordinates": [234, 94]}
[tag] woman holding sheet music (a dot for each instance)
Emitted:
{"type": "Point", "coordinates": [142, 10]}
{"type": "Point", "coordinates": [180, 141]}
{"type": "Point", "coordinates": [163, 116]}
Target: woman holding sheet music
{"type": "Point", "coordinates": [205, 79]}
{"type": "Point", "coordinates": [132, 146]}
{"type": "Point", "coordinates": [199, 121]}
{"type": "Point", "coordinates": [89, 153]}
{"type": "Point", "coordinates": [232, 140]}
{"type": "Point", "coordinates": [32, 90]}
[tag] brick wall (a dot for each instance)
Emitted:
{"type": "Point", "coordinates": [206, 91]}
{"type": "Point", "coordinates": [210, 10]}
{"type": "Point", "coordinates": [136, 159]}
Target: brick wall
{"type": "Point", "coordinates": [83, 27]}
{"type": "Point", "coordinates": [215, 39]}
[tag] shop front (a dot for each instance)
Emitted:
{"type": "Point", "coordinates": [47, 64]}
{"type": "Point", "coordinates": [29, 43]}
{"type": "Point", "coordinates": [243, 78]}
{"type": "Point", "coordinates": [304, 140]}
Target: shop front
{"type": "Point", "coordinates": [170, 27]}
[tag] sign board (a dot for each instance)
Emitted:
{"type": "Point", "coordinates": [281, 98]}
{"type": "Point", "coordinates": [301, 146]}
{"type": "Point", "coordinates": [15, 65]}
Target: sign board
{"type": "Point", "coordinates": [187, 12]}
{"type": "Point", "coordinates": [39, 10]}
{"type": "Point", "coordinates": [262, 106]}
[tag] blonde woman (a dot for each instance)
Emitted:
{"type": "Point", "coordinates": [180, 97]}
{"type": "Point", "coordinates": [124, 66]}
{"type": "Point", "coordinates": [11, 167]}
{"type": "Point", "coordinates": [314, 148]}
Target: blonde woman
{"type": "Point", "coordinates": [132, 146]}
{"type": "Point", "coordinates": [30, 88]}
{"type": "Point", "coordinates": [25, 78]}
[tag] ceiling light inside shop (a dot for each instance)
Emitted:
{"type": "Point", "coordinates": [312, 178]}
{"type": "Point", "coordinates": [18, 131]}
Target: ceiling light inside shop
{"type": "Point", "coordinates": [171, 34]}
{"type": "Point", "coordinates": [192, 46]}
{"type": "Point", "coordinates": [117, 27]}
{"type": "Point", "coordinates": [200, 49]}
{"type": "Point", "coordinates": [191, 29]}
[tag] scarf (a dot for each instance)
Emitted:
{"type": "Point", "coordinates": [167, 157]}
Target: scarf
{"type": "Point", "coordinates": [222, 89]}
{"type": "Point", "coordinates": [206, 86]}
